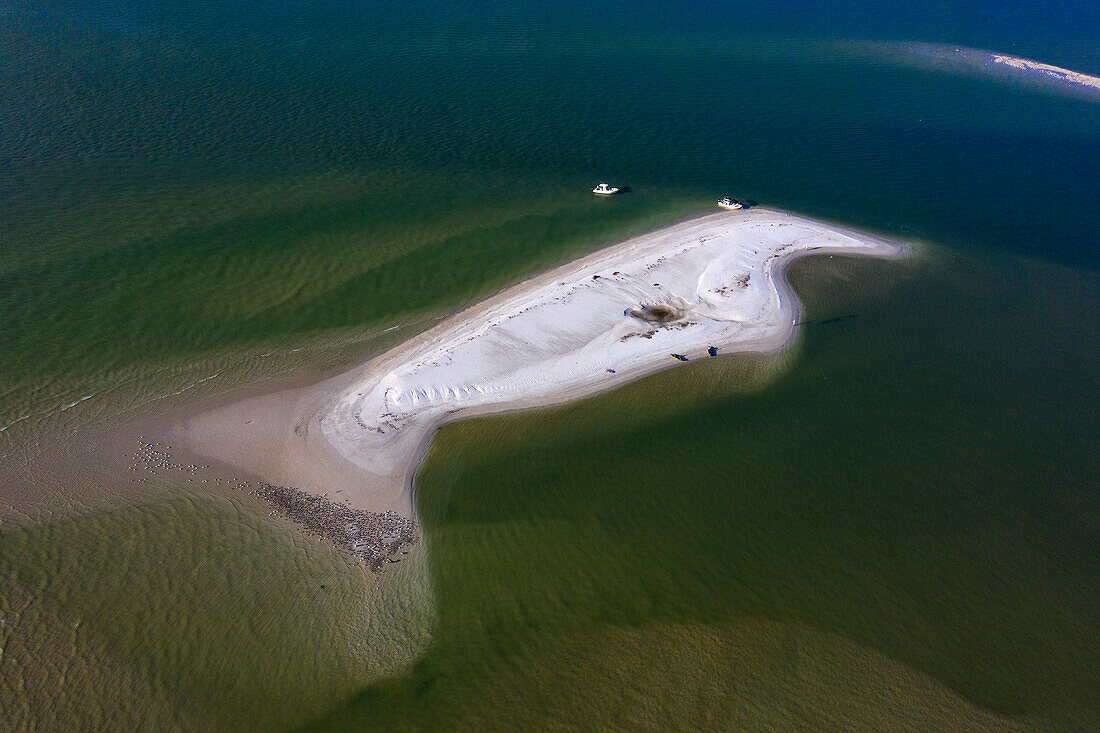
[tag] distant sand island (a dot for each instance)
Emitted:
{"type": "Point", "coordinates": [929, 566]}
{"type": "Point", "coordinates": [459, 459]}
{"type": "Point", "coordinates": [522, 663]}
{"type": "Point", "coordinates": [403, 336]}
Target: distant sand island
{"type": "Point", "coordinates": [708, 286]}
{"type": "Point", "coordinates": [1054, 72]}
{"type": "Point", "coordinates": [989, 63]}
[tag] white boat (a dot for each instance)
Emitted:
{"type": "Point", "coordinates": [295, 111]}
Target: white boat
{"type": "Point", "coordinates": [728, 203]}
{"type": "Point", "coordinates": [604, 190]}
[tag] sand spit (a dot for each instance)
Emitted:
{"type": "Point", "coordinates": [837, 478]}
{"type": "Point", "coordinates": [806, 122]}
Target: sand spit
{"type": "Point", "coordinates": [703, 287]}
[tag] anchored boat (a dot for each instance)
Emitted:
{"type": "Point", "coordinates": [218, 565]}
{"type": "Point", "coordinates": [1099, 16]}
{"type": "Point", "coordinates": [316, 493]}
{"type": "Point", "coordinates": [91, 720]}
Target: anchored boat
{"type": "Point", "coordinates": [604, 190]}
{"type": "Point", "coordinates": [728, 203]}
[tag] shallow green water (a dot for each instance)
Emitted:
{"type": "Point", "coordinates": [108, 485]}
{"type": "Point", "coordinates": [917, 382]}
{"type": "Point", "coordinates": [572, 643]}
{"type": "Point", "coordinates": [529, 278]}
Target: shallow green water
{"type": "Point", "coordinates": [941, 516]}
{"type": "Point", "coordinates": [194, 612]}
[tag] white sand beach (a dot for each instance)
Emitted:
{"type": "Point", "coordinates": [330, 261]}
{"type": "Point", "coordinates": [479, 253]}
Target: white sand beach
{"type": "Point", "coordinates": [712, 285]}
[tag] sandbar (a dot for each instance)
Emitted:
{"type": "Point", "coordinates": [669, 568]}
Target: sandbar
{"type": "Point", "coordinates": [709, 286]}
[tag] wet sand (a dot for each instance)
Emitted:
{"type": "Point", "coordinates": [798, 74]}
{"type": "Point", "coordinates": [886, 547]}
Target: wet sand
{"type": "Point", "coordinates": [1055, 73]}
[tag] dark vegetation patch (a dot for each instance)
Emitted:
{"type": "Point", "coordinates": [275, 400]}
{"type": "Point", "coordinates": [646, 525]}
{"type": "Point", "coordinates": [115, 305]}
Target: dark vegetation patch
{"type": "Point", "coordinates": [657, 313]}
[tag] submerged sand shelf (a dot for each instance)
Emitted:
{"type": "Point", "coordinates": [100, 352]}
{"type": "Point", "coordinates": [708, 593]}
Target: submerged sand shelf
{"type": "Point", "coordinates": [990, 63]}
{"type": "Point", "coordinates": [710, 285]}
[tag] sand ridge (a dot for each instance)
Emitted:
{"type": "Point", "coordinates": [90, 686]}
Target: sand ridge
{"type": "Point", "coordinates": [707, 286]}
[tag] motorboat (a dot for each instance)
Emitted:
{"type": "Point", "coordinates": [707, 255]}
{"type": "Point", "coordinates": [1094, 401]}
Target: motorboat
{"type": "Point", "coordinates": [604, 190]}
{"type": "Point", "coordinates": [728, 203]}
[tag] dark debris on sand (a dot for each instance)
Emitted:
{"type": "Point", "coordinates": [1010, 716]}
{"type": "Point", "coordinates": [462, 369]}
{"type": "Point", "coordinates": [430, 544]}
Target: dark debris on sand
{"type": "Point", "coordinates": [369, 537]}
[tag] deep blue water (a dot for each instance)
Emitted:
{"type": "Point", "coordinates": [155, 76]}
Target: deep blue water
{"type": "Point", "coordinates": [107, 97]}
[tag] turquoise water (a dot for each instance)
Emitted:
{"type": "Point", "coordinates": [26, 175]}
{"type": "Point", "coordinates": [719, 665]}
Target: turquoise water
{"type": "Point", "coordinates": [186, 190]}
